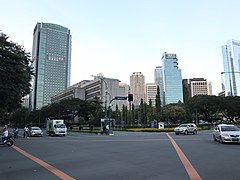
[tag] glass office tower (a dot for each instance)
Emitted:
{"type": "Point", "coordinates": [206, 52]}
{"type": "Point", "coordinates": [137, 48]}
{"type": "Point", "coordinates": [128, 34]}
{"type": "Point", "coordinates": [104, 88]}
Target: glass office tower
{"type": "Point", "coordinates": [172, 79]}
{"type": "Point", "coordinates": [51, 55]}
{"type": "Point", "coordinates": [231, 65]}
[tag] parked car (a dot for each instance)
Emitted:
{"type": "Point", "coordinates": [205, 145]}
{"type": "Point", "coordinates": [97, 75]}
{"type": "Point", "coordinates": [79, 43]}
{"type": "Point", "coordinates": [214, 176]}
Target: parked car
{"type": "Point", "coordinates": [36, 131]}
{"type": "Point", "coordinates": [226, 133]}
{"type": "Point", "coordinates": [186, 129]}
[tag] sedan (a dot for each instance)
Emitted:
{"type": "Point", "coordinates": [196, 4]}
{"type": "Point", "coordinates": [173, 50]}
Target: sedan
{"type": "Point", "coordinates": [36, 131]}
{"type": "Point", "coordinates": [226, 133]}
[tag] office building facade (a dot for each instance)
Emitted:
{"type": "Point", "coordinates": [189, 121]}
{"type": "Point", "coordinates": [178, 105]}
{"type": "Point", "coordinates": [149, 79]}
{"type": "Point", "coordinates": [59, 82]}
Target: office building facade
{"type": "Point", "coordinates": [231, 66]}
{"type": "Point", "coordinates": [172, 79]}
{"type": "Point", "coordinates": [198, 86]}
{"type": "Point", "coordinates": [137, 87]}
{"type": "Point", "coordinates": [151, 92]}
{"type": "Point", "coordinates": [51, 55]}
{"type": "Point", "coordinates": [106, 89]}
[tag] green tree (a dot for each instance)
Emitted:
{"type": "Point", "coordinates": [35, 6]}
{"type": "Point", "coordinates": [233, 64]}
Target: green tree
{"type": "Point", "coordinates": [71, 108]}
{"type": "Point", "coordinates": [145, 114]}
{"type": "Point", "coordinates": [124, 114]}
{"type": "Point", "coordinates": [230, 107]}
{"type": "Point", "coordinates": [133, 113]}
{"type": "Point", "coordinates": [15, 74]}
{"type": "Point", "coordinates": [20, 116]}
{"type": "Point", "coordinates": [174, 112]}
{"type": "Point", "coordinates": [141, 112]}
{"type": "Point", "coordinates": [150, 111]}
{"type": "Point", "coordinates": [80, 122]}
{"type": "Point", "coordinates": [117, 115]}
{"type": "Point", "coordinates": [158, 105]}
{"type": "Point", "coordinates": [90, 121]}
{"type": "Point", "coordinates": [204, 105]}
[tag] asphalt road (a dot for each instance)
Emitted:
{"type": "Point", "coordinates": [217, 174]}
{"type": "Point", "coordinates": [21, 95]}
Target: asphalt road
{"type": "Point", "coordinates": [124, 155]}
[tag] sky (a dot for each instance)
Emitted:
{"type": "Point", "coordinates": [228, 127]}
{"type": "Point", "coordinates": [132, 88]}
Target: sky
{"type": "Point", "coordinates": [119, 37]}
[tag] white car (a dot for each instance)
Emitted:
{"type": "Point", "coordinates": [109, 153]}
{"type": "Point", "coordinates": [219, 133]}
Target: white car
{"type": "Point", "coordinates": [226, 133]}
{"type": "Point", "coordinates": [186, 128]}
{"type": "Point", "coordinates": [36, 131]}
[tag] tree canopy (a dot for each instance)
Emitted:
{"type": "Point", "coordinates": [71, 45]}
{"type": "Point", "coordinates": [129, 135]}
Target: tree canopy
{"type": "Point", "coordinates": [15, 74]}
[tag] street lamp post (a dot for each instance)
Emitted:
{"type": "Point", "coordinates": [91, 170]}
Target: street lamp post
{"type": "Point", "coordinates": [105, 96]}
{"type": "Point", "coordinates": [106, 104]}
{"type": "Point", "coordinates": [108, 108]}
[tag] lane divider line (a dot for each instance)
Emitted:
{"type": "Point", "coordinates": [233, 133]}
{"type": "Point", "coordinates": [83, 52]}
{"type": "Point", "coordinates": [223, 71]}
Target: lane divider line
{"type": "Point", "coordinates": [47, 166]}
{"type": "Point", "coordinates": [192, 173]}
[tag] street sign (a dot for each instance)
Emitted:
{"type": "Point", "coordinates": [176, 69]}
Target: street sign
{"type": "Point", "coordinates": [120, 98]}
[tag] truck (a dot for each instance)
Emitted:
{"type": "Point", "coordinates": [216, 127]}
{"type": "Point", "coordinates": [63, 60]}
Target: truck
{"type": "Point", "coordinates": [56, 127]}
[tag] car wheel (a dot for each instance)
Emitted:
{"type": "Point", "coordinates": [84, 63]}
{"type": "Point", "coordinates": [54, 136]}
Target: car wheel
{"type": "Point", "coordinates": [176, 133]}
{"type": "Point", "coordinates": [220, 140]}
{"type": "Point", "coordinates": [195, 131]}
{"type": "Point", "coordinates": [186, 132]}
{"type": "Point", "coordinates": [9, 143]}
{"type": "Point", "coordinates": [214, 138]}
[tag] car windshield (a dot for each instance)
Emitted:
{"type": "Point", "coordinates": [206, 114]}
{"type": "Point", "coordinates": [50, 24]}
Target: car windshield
{"type": "Point", "coordinates": [229, 128]}
{"type": "Point", "coordinates": [183, 125]}
{"type": "Point", "coordinates": [61, 126]}
{"type": "Point", "coordinates": [35, 128]}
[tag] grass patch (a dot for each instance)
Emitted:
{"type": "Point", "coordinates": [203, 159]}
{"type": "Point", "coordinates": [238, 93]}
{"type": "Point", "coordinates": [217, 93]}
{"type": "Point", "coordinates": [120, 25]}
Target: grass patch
{"type": "Point", "coordinates": [86, 131]}
{"type": "Point", "coordinates": [150, 130]}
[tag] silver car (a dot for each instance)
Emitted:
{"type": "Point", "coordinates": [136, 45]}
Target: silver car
{"type": "Point", "coordinates": [226, 133]}
{"type": "Point", "coordinates": [186, 129]}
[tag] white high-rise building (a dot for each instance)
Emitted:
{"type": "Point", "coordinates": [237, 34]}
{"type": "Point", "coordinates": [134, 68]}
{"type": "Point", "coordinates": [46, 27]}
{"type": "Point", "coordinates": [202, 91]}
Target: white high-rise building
{"type": "Point", "coordinates": [151, 92]}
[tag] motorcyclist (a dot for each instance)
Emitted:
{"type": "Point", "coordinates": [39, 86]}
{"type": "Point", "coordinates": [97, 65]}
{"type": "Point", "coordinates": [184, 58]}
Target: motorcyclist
{"type": "Point", "coordinates": [26, 132]}
{"type": "Point", "coordinates": [15, 132]}
{"type": "Point", "coordinates": [4, 134]}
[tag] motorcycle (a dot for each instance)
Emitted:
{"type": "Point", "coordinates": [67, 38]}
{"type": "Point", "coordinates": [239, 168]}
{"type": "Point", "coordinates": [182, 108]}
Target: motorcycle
{"type": "Point", "coordinates": [8, 141]}
{"type": "Point", "coordinates": [15, 134]}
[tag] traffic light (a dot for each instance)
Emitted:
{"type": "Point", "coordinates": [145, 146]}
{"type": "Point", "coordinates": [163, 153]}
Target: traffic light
{"type": "Point", "coordinates": [130, 97]}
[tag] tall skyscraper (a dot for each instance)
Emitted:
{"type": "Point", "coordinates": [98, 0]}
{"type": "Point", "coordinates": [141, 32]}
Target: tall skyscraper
{"type": "Point", "coordinates": [137, 87]}
{"type": "Point", "coordinates": [172, 79]}
{"type": "Point", "coordinates": [231, 66]}
{"type": "Point", "coordinates": [158, 79]}
{"type": "Point", "coordinates": [51, 55]}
